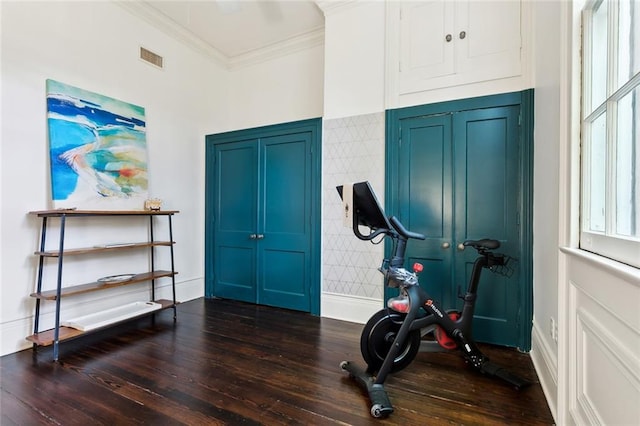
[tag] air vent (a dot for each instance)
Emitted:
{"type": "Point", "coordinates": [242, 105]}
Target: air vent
{"type": "Point", "coordinates": [152, 58]}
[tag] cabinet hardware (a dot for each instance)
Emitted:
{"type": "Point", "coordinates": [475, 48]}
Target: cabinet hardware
{"type": "Point", "coordinates": [448, 37]}
{"type": "Point", "coordinates": [463, 34]}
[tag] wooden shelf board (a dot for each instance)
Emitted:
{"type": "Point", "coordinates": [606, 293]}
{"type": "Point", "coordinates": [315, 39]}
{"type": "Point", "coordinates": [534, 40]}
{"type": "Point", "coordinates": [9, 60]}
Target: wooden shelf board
{"type": "Point", "coordinates": [95, 286]}
{"type": "Point", "coordinates": [70, 212]}
{"type": "Point", "coordinates": [106, 247]}
{"type": "Point", "coordinates": [46, 338]}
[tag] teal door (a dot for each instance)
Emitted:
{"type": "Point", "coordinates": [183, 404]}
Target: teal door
{"type": "Point", "coordinates": [456, 175]}
{"type": "Point", "coordinates": [486, 197]}
{"type": "Point", "coordinates": [262, 220]}
{"type": "Point", "coordinates": [235, 221]}
{"type": "Point", "coordinates": [285, 210]}
{"type": "Point", "coordinates": [425, 199]}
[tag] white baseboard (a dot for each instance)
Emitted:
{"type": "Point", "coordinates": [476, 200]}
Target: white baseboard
{"type": "Point", "coordinates": [546, 365]}
{"type": "Point", "coordinates": [14, 332]}
{"type": "Point", "coordinates": [348, 308]}
{"type": "Point", "coordinates": [13, 335]}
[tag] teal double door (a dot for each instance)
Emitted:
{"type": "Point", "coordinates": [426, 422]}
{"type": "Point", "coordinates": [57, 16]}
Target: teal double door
{"type": "Point", "coordinates": [459, 171]}
{"type": "Point", "coordinates": [261, 216]}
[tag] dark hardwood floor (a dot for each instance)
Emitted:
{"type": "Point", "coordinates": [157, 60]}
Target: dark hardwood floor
{"type": "Point", "coordinates": [232, 363]}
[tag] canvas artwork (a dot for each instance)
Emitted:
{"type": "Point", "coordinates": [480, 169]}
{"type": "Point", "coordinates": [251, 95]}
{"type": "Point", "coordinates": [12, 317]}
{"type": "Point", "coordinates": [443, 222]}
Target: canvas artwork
{"type": "Point", "coordinates": [98, 150]}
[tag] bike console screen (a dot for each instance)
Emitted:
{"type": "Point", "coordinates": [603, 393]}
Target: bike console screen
{"type": "Point", "coordinates": [366, 208]}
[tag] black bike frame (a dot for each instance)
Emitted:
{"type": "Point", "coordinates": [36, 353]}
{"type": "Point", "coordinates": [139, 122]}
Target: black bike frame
{"type": "Point", "coordinates": [418, 298]}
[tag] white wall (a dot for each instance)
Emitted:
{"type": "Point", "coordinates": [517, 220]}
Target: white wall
{"type": "Point", "coordinates": [545, 187]}
{"type": "Point", "coordinates": [354, 59]}
{"type": "Point", "coordinates": [282, 89]}
{"type": "Point", "coordinates": [352, 151]}
{"type": "Point", "coordinates": [95, 46]}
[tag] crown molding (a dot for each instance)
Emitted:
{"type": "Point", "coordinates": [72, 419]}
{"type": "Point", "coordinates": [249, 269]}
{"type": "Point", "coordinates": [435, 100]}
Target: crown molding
{"type": "Point", "coordinates": [160, 21]}
{"type": "Point", "coordinates": [169, 27]}
{"type": "Point", "coordinates": [282, 48]}
{"type": "Point", "coordinates": [332, 6]}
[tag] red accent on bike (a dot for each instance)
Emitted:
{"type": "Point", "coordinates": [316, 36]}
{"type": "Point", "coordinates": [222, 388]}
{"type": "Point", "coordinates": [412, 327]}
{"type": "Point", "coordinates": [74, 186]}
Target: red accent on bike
{"type": "Point", "coordinates": [400, 305]}
{"type": "Point", "coordinates": [417, 267]}
{"type": "Point", "coordinates": [443, 338]}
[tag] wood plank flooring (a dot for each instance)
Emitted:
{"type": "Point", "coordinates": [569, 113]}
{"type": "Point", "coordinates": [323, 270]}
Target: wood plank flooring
{"type": "Point", "coordinates": [231, 363]}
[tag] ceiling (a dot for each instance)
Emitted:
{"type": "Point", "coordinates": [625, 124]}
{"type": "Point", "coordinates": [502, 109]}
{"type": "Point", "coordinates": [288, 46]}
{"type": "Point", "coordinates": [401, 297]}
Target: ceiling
{"type": "Point", "coordinates": [236, 28]}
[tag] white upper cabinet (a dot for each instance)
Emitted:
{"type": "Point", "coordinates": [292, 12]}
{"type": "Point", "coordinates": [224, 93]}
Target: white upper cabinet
{"type": "Point", "coordinates": [446, 43]}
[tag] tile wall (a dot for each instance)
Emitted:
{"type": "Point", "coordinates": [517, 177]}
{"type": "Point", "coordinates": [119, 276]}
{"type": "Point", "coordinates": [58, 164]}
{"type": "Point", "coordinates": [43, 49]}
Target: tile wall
{"type": "Point", "coordinates": [353, 151]}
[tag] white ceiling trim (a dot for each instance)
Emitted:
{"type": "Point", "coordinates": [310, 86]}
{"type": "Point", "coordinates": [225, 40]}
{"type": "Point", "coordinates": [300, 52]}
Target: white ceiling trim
{"type": "Point", "coordinates": [294, 44]}
{"type": "Point", "coordinates": [160, 21]}
{"type": "Point", "coordinates": [172, 29]}
{"type": "Point", "coordinates": [332, 6]}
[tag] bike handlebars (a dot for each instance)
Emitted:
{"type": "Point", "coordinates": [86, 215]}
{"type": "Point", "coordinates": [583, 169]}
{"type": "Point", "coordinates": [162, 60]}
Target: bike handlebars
{"type": "Point", "coordinates": [403, 231]}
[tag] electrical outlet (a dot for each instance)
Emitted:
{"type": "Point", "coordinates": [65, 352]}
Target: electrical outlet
{"type": "Point", "coordinates": [553, 329]}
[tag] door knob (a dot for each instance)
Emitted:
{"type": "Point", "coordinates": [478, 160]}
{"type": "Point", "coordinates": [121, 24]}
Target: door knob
{"type": "Point", "coordinates": [260, 236]}
{"type": "Point", "coordinates": [446, 245]}
{"type": "Point", "coordinates": [461, 246]}
{"type": "Point", "coordinates": [448, 37]}
{"type": "Point", "coordinates": [463, 34]}
{"type": "Point", "coordinates": [253, 236]}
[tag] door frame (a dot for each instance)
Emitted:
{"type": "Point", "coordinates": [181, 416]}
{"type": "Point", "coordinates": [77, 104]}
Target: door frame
{"type": "Point", "coordinates": [314, 126]}
{"type": "Point", "coordinates": [524, 99]}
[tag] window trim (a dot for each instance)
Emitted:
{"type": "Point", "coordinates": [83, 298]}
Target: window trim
{"type": "Point", "coordinates": [606, 243]}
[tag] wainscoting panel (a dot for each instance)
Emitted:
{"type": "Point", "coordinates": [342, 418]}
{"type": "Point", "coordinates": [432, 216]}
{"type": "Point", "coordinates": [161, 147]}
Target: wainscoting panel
{"type": "Point", "coordinates": [603, 343]}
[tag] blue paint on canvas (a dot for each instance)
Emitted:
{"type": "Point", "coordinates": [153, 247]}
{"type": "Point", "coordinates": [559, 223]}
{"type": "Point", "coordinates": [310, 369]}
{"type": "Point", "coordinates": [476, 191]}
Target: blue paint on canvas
{"type": "Point", "coordinates": [95, 142]}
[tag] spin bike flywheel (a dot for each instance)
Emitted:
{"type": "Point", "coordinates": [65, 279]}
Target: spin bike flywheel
{"type": "Point", "coordinates": [378, 336]}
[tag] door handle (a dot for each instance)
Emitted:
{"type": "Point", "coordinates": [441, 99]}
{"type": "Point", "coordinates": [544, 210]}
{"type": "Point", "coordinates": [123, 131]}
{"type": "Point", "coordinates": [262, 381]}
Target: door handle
{"type": "Point", "coordinates": [461, 246]}
{"type": "Point", "coordinates": [260, 236]}
{"type": "Point", "coordinates": [446, 245]}
{"type": "Point", "coordinates": [253, 236]}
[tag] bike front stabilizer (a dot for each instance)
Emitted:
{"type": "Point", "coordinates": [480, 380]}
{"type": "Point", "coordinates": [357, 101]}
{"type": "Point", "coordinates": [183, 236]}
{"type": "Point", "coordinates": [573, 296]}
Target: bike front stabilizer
{"type": "Point", "coordinates": [380, 403]}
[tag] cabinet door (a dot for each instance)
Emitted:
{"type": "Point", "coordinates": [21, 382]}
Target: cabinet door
{"type": "Point", "coordinates": [445, 43]}
{"type": "Point", "coordinates": [490, 46]}
{"type": "Point", "coordinates": [425, 52]}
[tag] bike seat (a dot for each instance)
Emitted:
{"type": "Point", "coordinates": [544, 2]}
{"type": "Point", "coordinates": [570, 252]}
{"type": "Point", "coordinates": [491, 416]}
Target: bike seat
{"type": "Point", "coordinates": [484, 244]}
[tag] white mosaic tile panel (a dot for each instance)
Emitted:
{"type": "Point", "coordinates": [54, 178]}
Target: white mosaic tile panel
{"type": "Point", "coordinates": [353, 151]}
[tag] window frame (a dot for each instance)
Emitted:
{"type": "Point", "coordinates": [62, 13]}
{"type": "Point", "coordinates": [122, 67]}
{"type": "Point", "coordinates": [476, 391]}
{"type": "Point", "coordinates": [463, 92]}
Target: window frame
{"type": "Point", "coordinates": [606, 243]}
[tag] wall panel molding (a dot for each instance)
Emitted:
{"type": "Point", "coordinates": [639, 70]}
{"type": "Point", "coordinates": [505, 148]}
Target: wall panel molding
{"type": "Point", "coordinates": [603, 342]}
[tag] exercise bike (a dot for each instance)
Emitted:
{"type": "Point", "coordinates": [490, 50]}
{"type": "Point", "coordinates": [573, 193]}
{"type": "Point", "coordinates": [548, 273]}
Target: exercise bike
{"type": "Point", "coordinates": [393, 336]}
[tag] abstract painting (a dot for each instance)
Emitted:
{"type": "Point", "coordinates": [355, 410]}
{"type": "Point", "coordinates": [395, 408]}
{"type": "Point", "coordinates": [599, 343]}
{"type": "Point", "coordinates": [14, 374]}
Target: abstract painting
{"type": "Point", "coordinates": [98, 150]}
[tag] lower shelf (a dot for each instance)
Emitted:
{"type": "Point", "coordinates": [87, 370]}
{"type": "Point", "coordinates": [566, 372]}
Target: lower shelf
{"type": "Point", "coordinates": [110, 316]}
{"type": "Point", "coordinates": [119, 315]}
